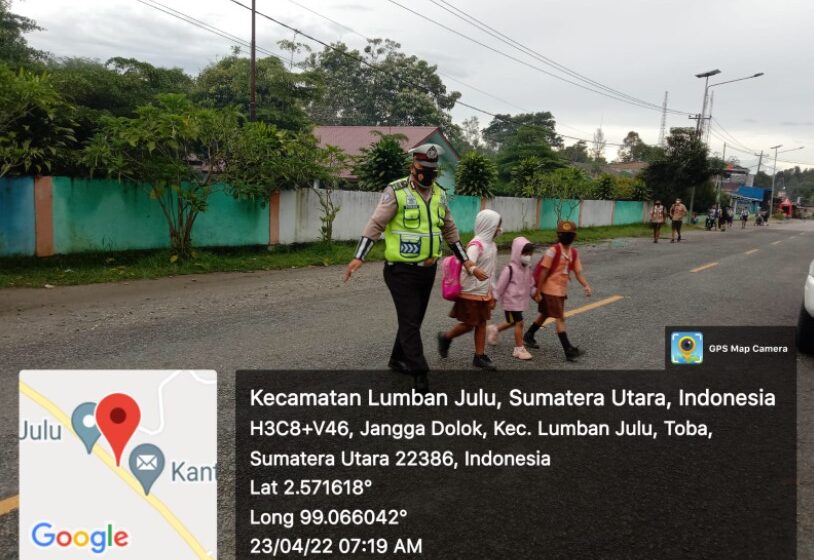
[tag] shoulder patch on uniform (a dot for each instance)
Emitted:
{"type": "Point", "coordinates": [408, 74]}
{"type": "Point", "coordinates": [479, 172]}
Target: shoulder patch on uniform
{"type": "Point", "coordinates": [399, 184]}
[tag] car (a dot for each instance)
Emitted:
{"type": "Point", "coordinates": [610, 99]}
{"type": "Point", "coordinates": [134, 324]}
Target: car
{"type": "Point", "coordinates": [805, 326]}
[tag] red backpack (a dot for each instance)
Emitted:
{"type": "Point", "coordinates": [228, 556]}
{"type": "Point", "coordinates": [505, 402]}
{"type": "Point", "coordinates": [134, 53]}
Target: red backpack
{"type": "Point", "coordinates": [555, 262]}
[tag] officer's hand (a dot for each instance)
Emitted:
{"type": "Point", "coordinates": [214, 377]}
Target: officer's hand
{"type": "Point", "coordinates": [588, 290]}
{"type": "Point", "coordinates": [353, 266]}
{"type": "Point", "coordinates": [538, 297]}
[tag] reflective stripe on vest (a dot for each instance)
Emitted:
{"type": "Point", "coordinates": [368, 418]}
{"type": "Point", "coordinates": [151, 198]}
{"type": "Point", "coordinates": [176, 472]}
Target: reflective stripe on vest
{"type": "Point", "coordinates": [412, 236]}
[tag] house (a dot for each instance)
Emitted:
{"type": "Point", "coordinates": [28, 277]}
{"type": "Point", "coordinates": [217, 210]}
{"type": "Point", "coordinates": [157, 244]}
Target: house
{"type": "Point", "coordinates": [352, 139]}
{"type": "Point", "coordinates": [626, 168]}
{"type": "Point", "coordinates": [750, 197]}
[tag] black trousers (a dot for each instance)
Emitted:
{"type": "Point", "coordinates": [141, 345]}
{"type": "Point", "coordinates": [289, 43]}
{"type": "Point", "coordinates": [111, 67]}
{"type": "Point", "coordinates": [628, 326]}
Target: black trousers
{"type": "Point", "coordinates": [410, 287]}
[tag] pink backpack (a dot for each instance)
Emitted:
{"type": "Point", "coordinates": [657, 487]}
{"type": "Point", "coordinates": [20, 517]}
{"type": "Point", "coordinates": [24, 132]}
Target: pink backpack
{"type": "Point", "coordinates": [451, 275]}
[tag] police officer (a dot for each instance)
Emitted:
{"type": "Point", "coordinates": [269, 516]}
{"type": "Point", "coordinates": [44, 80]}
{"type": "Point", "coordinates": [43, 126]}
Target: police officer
{"type": "Point", "coordinates": [414, 217]}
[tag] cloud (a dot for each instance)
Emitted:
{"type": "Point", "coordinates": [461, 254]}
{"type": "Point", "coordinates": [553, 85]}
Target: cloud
{"type": "Point", "coordinates": [751, 121]}
{"type": "Point", "coordinates": [791, 123]}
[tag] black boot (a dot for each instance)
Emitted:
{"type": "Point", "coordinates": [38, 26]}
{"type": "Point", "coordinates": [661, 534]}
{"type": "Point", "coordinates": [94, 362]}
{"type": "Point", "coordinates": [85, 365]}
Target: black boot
{"type": "Point", "coordinates": [528, 338]}
{"type": "Point", "coordinates": [571, 352]}
{"type": "Point", "coordinates": [421, 383]}
{"type": "Point", "coordinates": [397, 366]}
{"type": "Point", "coordinates": [444, 343]}
{"type": "Point", "coordinates": [482, 361]}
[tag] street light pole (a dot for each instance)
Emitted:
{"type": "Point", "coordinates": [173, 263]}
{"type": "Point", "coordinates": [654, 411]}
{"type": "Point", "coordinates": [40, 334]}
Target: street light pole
{"type": "Point", "coordinates": [699, 129]}
{"type": "Point", "coordinates": [774, 175]}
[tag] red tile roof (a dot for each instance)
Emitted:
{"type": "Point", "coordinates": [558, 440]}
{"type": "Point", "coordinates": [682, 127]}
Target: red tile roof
{"type": "Point", "coordinates": [351, 139]}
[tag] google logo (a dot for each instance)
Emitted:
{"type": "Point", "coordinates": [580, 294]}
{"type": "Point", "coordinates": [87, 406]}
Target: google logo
{"type": "Point", "coordinates": [44, 536]}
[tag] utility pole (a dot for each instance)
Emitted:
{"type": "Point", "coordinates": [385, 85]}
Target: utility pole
{"type": "Point", "coordinates": [718, 190]}
{"type": "Point", "coordinates": [760, 161]}
{"type": "Point", "coordinates": [774, 175]}
{"type": "Point", "coordinates": [253, 79]}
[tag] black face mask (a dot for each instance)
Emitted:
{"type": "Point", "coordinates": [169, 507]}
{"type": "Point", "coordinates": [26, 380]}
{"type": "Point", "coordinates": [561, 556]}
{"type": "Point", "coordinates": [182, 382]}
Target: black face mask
{"type": "Point", "coordinates": [426, 176]}
{"type": "Point", "coordinates": [566, 238]}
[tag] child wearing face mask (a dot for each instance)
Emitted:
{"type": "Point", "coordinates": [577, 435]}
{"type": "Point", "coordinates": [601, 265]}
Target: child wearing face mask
{"type": "Point", "coordinates": [551, 288]}
{"type": "Point", "coordinates": [473, 307]}
{"type": "Point", "coordinates": [513, 290]}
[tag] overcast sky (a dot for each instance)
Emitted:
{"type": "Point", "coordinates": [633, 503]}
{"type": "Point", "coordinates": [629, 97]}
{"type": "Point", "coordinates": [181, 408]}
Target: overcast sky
{"type": "Point", "coordinates": [639, 47]}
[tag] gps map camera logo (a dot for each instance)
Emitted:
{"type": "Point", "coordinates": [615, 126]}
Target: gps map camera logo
{"type": "Point", "coordinates": [687, 348]}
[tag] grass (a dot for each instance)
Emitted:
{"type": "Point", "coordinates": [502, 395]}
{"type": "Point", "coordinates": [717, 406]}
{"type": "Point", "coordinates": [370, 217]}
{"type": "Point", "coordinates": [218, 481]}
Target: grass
{"type": "Point", "coordinates": [89, 268]}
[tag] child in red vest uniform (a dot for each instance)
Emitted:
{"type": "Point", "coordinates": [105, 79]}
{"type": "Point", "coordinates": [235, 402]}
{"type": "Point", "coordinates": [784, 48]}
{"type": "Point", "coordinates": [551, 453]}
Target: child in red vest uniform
{"type": "Point", "coordinates": [553, 273]}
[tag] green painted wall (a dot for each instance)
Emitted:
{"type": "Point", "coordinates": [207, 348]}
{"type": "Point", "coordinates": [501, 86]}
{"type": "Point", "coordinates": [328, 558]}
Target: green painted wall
{"type": "Point", "coordinates": [104, 215]}
{"type": "Point", "coordinates": [229, 222]}
{"type": "Point", "coordinates": [548, 212]}
{"type": "Point", "coordinates": [17, 233]}
{"type": "Point", "coordinates": [464, 209]}
{"type": "Point", "coordinates": [97, 215]}
{"type": "Point", "coordinates": [628, 212]}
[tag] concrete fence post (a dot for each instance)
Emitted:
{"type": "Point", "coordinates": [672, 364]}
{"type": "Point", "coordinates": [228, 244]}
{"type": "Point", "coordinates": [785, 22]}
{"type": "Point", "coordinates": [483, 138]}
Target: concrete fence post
{"type": "Point", "coordinates": [44, 215]}
{"type": "Point", "coordinates": [274, 218]}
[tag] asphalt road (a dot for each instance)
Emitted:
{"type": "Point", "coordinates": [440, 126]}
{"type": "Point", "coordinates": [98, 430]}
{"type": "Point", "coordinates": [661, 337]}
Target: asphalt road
{"type": "Point", "coordinates": [307, 318]}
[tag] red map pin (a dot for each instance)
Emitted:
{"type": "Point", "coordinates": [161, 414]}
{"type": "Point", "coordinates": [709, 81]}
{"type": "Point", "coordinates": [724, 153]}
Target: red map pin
{"type": "Point", "coordinates": [117, 416]}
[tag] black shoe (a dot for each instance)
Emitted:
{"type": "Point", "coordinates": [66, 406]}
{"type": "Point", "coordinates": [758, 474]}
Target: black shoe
{"type": "Point", "coordinates": [421, 383]}
{"type": "Point", "coordinates": [573, 353]}
{"type": "Point", "coordinates": [443, 344]}
{"type": "Point", "coordinates": [398, 366]}
{"type": "Point", "coordinates": [483, 362]}
{"type": "Point", "coordinates": [679, 239]}
{"type": "Point", "coordinates": [529, 342]}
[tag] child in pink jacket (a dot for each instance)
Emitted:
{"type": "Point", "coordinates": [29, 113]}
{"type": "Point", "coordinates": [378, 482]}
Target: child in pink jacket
{"type": "Point", "coordinates": [514, 288]}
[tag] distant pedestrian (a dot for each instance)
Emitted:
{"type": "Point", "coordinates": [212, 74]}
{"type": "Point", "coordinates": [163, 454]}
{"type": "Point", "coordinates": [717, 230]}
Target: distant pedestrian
{"type": "Point", "coordinates": [657, 217]}
{"type": "Point", "coordinates": [514, 288]}
{"type": "Point", "coordinates": [677, 213]}
{"type": "Point", "coordinates": [473, 307]}
{"type": "Point", "coordinates": [551, 291]}
{"type": "Point", "coordinates": [744, 217]}
{"type": "Point", "coordinates": [723, 219]}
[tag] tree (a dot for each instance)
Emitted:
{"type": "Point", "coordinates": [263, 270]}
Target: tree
{"type": "Point", "coordinates": [381, 86]}
{"type": "Point", "coordinates": [115, 88]}
{"type": "Point", "coordinates": [505, 127]}
{"type": "Point", "coordinates": [598, 146]}
{"type": "Point", "coordinates": [684, 166]}
{"type": "Point", "coordinates": [471, 139]}
{"type": "Point", "coordinates": [381, 163]}
{"type": "Point", "coordinates": [475, 175]}
{"type": "Point", "coordinates": [634, 149]}
{"type": "Point", "coordinates": [35, 123]}
{"type": "Point", "coordinates": [525, 143]}
{"type": "Point", "coordinates": [281, 95]}
{"type": "Point", "coordinates": [335, 162]}
{"type": "Point", "coordinates": [14, 49]}
{"type": "Point", "coordinates": [577, 152]}
{"type": "Point", "coordinates": [568, 187]}
{"type": "Point", "coordinates": [182, 153]}
{"type": "Point", "coordinates": [604, 187]}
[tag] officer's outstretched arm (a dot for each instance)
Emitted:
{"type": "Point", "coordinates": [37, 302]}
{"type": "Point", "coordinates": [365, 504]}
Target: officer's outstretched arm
{"type": "Point", "coordinates": [362, 249]}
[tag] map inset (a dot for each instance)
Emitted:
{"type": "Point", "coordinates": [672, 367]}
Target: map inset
{"type": "Point", "coordinates": [121, 462]}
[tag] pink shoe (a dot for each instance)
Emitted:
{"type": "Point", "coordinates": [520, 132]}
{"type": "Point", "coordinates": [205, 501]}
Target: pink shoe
{"type": "Point", "coordinates": [491, 334]}
{"type": "Point", "coordinates": [521, 353]}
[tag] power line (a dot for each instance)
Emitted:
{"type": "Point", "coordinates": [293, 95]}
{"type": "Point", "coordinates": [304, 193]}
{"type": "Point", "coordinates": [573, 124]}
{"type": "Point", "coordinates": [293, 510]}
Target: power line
{"type": "Point", "coordinates": [419, 87]}
{"type": "Point", "coordinates": [203, 25]}
{"type": "Point", "coordinates": [643, 105]}
{"type": "Point", "coordinates": [351, 30]}
{"type": "Point", "coordinates": [486, 28]}
{"type": "Point", "coordinates": [729, 134]}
